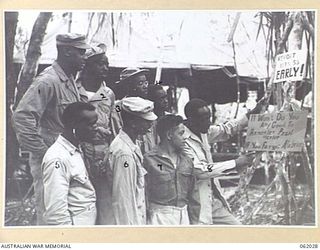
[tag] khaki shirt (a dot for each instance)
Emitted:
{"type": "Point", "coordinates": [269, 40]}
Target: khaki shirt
{"type": "Point", "coordinates": [169, 184]}
{"type": "Point", "coordinates": [68, 191]}
{"type": "Point", "coordinates": [128, 180]}
{"type": "Point", "coordinates": [37, 119]}
{"type": "Point", "coordinates": [95, 151]}
{"type": "Point", "coordinates": [199, 151]}
{"type": "Point", "coordinates": [104, 101]}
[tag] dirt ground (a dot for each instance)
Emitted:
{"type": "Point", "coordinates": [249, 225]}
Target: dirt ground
{"type": "Point", "coordinates": [19, 212]}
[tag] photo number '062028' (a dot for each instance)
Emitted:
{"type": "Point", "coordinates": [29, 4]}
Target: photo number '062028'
{"type": "Point", "coordinates": [306, 246]}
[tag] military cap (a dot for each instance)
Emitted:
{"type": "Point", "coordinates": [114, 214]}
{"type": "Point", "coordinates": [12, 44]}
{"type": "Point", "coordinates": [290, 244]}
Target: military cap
{"type": "Point", "coordinates": [72, 39]}
{"type": "Point", "coordinates": [94, 50]}
{"type": "Point", "coordinates": [127, 73]}
{"type": "Point", "coordinates": [139, 107]}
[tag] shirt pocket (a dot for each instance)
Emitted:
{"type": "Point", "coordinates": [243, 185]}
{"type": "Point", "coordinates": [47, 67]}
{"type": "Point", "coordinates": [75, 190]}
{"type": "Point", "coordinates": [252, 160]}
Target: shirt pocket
{"type": "Point", "coordinates": [80, 179]}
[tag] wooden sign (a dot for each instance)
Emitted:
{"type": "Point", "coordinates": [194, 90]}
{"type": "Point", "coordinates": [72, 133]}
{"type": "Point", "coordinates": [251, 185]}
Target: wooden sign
{"type": "Point", "coordinates": [279, 131]}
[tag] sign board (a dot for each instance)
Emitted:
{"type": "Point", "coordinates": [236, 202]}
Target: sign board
{"type": "Point", "coordinates": [279, 131]}
{"type": "Point", "coordinates": [290, 66]}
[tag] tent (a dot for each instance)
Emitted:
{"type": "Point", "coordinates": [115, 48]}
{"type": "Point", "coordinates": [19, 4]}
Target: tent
{"type": "Point", "coordinates": [181, 48]}
{"type": "Point", "coordinates": [166, 39]}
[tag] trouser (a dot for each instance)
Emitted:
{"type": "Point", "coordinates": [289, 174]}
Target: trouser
{"type": "Point", "coordinates": [221, 215]}
{"type": "Point", "coordinates": [104, 201]}
{"type": "Point", "coordinates": [168, 215]}
{"type": "Point", "coordinates": [213, 209]}
{"type": "Point", "coordinates": [96, 154]}
{"type": "Point", "coordinates": [35, 168]}
{"type": "Point", "coordinates": [86, 217]}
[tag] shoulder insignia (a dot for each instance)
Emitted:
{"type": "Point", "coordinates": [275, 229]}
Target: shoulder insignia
{"type": "Point", "coordinates": [57, 164]}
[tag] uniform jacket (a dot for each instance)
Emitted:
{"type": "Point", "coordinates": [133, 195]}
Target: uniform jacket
{"type": "Point", "coordinates": [68, 191]}
{"type": "Point", "coordinates": [37, 119]}
{"type": "Point", "coordinates": [128, 180]}
{"type": "Point", "coordinates": [198, 149]}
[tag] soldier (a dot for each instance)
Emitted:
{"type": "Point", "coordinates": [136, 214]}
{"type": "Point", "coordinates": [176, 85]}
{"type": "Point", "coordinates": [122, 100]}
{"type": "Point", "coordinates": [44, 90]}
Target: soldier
{"type": "Point", "coordinates": [170, 179]}
{"type": "Point", "coordinates": [69, 196]}
{"type": "Point", "coordinates": [158, 95]}
{"type": "Point", "coordinates": [134, 81]}
{"type": "Point", "coordinates": [135, 84]}
{"type": "Point", "coordinates": [199, 133]}
{"type": "Point", "coordinates": [37, 119]}
{"type": "Point", "coordinates": [102, 97]}
{"type": "Point", "coordinates": [125, 161]}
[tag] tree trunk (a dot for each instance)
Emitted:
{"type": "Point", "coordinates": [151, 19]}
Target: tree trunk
{"type": "Point", "coordinates": [295, 38]}
{"type": "Point", "coordinates": [12, 148]}
{"type": "Point", "coordinates": [11, 20]}
{"type": "Point", "coordinates": [30, 67]}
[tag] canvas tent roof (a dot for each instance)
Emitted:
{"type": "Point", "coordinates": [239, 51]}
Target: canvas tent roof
{"type": "Point", "coordinates": [168, 39]}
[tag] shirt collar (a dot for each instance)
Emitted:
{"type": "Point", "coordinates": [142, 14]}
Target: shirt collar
{"type": "Point", "coordinates": [125, 137]}
{"type": "Point", "coordinates": [62, 75]}
{"type": "Point", "coordinates": [67, 145]}
{"type": "Point", "coordinates": [189, 134]}
{"type": "Point", "coordinates": [157, 151]}
{"type": "Point", "coordinates": [134, 147]}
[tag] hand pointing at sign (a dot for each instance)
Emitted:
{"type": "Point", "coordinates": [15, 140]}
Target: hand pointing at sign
{"type": "Point", "coordinates": [244, 161]}
{"type": "Point", "coordinates": [261, 106]}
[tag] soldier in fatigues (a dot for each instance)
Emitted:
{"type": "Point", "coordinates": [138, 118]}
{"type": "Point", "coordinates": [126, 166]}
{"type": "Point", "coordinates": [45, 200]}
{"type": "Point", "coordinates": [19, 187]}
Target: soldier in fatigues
{"type": "Point", "coordinates": [199, 133]}
{"type": "Point", "coordinates": [92, 78]}
{"type": "Point", "coordinates": [128, 203]}
{"type": "Point", "coordinates": [170, 178]}
{"type": "Point", "coordinates": [37, 119]}
{"type": "Point", "coordinates": [69, 196]}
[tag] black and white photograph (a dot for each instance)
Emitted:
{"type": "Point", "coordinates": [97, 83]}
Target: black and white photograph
{"type": "Point", "coordinates": [159, 118]}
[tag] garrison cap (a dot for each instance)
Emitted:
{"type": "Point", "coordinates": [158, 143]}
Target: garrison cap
{"type": "Point", "coordinates": [139, 107]}
{"type": "Point", "coordinates": [72, 39]}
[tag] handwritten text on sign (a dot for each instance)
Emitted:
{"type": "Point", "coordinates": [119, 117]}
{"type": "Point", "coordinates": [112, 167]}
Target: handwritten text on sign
{"type": "Point", "coordinates": [290, 66]}
{"type": "Point", "coordinates": [281, 131]}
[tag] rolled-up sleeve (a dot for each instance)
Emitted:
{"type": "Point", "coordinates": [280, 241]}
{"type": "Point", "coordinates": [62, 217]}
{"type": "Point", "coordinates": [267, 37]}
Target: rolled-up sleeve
{"type": "Point", "coordinates": [205, 170]}
{"type": "Point", "coordinates": [27, 116]}
{"type": "Point", "coordinates": [224, 131]}
{"type": "Point", "coordinates": [124, 200]}
{"type": "Point", "coordinates": [56, 181]}
{"type": "Point", "coordinates": [215, 170]}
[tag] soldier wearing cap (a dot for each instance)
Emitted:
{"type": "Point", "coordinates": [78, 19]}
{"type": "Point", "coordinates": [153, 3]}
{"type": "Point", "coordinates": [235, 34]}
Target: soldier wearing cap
{"type": "Point", "coordinates": [125, 162]}
{"type": "Point", "coordinates": [37, 119]}
{"type": "Point", "coordinates": [133, 82]}
{"type": "Point", "coordinates": [92, 78]}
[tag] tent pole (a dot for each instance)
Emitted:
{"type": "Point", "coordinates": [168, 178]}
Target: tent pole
{"type": "Point", "coordinates": [70, 22]}
{"type": "Point", "coordinates": [230, 39]}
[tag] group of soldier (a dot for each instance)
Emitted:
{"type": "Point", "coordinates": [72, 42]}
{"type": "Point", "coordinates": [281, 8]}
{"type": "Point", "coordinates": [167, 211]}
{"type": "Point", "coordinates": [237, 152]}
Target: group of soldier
{"type": "Point", "coordinates": [95, 159]}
